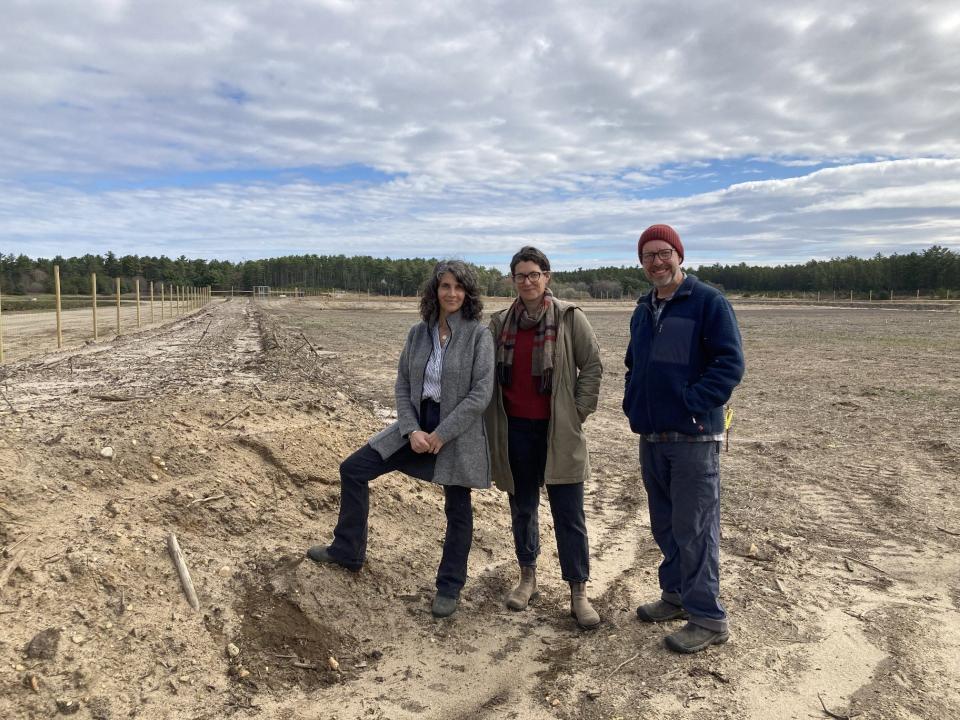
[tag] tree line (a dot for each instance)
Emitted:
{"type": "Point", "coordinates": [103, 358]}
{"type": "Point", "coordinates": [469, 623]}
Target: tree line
{"type": "Point", "coordinates": [935, 270]}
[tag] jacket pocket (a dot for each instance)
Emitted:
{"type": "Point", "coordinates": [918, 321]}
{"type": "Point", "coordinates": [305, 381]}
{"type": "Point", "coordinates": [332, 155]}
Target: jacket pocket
{"type": "Point", "coordinates": [673, 341]}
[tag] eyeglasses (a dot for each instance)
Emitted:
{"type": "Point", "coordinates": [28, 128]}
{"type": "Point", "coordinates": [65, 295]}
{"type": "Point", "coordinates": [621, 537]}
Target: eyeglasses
{"type": "Point", "coordinates": [532, 277]}
{"type": "Point", "coordinates": [663, 254]}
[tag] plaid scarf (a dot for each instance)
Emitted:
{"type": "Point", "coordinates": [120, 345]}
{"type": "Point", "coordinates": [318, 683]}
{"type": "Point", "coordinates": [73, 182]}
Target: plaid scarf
{"type": "Point", "coordinates": [544, 341]}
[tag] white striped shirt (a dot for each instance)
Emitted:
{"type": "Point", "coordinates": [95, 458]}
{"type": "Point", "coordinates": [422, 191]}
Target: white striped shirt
{"type": "Point", "coordinates": [431, 376]}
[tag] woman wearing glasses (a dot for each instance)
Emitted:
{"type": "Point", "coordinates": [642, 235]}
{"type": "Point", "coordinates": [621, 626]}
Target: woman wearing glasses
{"type": "Point", "coordinates": [444, 383]}
{"type": "Point", "coordinates": [548, 382]}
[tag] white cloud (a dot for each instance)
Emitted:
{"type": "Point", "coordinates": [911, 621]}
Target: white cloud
{"type": "Point", "coordinates": [563, 121]}
{"type": "Point", "coordinates": [892, 206]}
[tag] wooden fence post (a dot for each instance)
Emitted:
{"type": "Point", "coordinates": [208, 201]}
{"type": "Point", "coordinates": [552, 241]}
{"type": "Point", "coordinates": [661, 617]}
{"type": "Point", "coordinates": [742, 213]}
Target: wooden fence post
{"type": "Point", "coordinates": [1, 326]}
{"type": "Point", "coordinates": [891, 295]}
{"type": "Point", "coordinates": [93, 304]}
{"type": "Point", "coordinates": [117, 285]}
{"type": "Point", "coordinates": [137, 284]}
{"type": "Point", "coordinates": [56, 291]}
{"type": "Point", "coordinates": [151, 302]}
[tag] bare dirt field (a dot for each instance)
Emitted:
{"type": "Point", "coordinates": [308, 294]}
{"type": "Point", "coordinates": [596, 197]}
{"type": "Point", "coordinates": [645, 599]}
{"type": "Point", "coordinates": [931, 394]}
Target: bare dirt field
{"type": "Point", "coordinates": [26, 334]}
{"type": "Point", "coordinates": [840, 554]}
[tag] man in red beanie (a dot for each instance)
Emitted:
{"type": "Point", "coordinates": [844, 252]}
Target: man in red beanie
{"type": "Point", "coordinates": [684, 359]}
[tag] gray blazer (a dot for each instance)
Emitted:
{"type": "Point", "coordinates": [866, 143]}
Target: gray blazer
{"type": "Point", "coordinates": [466, 384]}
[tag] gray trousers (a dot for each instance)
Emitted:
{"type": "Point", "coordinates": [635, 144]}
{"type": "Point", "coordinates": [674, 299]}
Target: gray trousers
{"type": "Point", "coordinates": [682, 480]}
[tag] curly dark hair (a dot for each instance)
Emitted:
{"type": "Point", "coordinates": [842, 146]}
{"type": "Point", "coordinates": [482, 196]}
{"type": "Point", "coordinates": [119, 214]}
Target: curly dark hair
{"type": "Point", "coordinates": [429, 302]}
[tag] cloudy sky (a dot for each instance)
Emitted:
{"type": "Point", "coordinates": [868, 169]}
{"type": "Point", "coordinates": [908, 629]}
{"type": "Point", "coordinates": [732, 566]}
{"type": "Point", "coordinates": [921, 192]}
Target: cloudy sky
{"type": "Point", "coordinates": [764, 132]}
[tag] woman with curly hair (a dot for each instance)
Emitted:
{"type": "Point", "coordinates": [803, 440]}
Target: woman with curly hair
{"type": "Point", "coordinates": [444, 383]}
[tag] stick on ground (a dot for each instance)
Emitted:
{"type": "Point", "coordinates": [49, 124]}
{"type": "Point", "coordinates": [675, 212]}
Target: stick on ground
{"type": "Point", "coordinates": [617, 668]}
{"type": "Point", "coordinates": [10, 404]}
{"type": "Point", "coordinates": [865, 564]}
{"type": "Point", "coordinates": [200, 341]}
{"type": "Point", "coordinates": [13, 565]}
{"type": "Point", "coordinates": [233, 417]}
{"type": "Point", "coordinates": [177, 556]}
{"type": "Point", "coordinates": [837, 716]}
{"type": "Point", "coordinates": [119, 398]}
{"type": "Point", "coordinates": [310, 344]}
{"type": "Point", "coordinates": [198, 501]}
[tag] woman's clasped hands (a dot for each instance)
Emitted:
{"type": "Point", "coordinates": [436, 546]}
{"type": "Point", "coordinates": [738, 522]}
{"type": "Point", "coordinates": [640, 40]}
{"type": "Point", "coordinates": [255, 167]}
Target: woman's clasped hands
{"type": "Point", "coordinates": [423, 442]}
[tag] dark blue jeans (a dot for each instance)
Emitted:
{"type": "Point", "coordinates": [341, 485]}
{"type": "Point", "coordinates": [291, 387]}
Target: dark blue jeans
{"type": "Point", "coordinates": [527, 452]}
{"type": "Point", "coordinates": [682, 480]}
{"type": "Point", "coordinates": [350, 535]}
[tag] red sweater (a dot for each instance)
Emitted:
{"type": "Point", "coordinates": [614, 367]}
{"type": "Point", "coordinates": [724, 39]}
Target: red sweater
{"type": "Point", "coordinates": [521, 398]}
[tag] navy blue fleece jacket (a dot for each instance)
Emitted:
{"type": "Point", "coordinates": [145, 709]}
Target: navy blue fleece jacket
{"type": "Point", "coordinates": [682, 369]}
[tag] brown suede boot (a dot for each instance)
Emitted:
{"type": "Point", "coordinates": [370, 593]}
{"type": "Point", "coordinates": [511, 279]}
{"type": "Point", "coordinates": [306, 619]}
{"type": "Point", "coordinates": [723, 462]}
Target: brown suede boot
{"type": "Point", "coordinates": [580, 607]}
{"type": "Point", "coordinates": [526, 589]}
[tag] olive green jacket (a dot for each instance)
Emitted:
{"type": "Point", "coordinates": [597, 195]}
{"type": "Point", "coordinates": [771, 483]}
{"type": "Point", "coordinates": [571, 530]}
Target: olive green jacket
{"type": "Point", "coordinates": [576, 388]}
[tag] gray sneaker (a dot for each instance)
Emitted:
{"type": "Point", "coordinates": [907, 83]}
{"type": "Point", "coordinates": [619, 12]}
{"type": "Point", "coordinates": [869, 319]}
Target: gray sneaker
{"type": "Point", "coordinates": [444, 606]}
{"type": "Point", "coordinates": [660, 611]}
{"type": "Point", "coordinates": [694, 638]}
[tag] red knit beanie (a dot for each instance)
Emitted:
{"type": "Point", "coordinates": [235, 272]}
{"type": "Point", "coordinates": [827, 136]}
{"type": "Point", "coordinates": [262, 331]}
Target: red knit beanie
{"type": "Point", "coordinates": [661, 232]}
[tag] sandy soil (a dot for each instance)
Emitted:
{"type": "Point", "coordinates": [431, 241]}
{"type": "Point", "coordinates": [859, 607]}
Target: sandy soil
{"type": "Point", "coordinates": [841, 533]}
{"type": "Point", "coordinates": [27, 333]}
